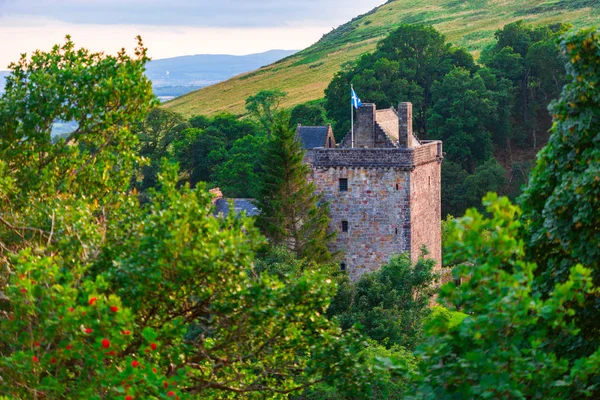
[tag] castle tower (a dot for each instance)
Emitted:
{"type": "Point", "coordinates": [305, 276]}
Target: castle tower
{"type": "Point", "coordinates": [384, 194]}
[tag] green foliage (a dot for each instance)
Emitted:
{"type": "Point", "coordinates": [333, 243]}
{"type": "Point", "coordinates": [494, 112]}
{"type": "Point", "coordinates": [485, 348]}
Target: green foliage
{"type": "Point", "coordinates": [463, 122]}
{"type": "Point", "coordinates": [404, 67]}
{"type": "Point", "coordinates": [561, 203]}
{"type": "Point", "coordinates": [461, 190]}
{"type": "Point", "coordinates": [309, 114]}
{"type": "Point", "coordinates": [264, 106]}
{"type": "Point", "coordinates": [385, 385]}
{"type": "Point", "coordinates": [390, 304]}
{"type": "Point", "coordinates": [529, 58]}
{"type": "Point", "coordinates": [503, 347]}
{"type": "Point", "coordinates": [155, 135]}
{"type": "Point", "coordinates": [291, 213]}
{"type": "Point", "coordinates": [223, 151]}
{"type": "Point", "coordinates": [107, 297]}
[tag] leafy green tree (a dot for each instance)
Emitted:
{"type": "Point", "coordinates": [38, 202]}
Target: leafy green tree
{"type": "Point", "coordinates": [531, 60]}
{"type": "Point", "coordinates": [264, 106]}
{"type": "Point", "coordinates": [311, 113]}
{"type": "Point", "coordinates": [239, 174]}
{"type": "Point", "coordinates": [461, 190]}
{"type": "Point", "coordinates": [503, 347]}
{"type": "Point", "coordinates": [561, 202]}
{"type": "Point", "coordinates": [106, 297]}
{"type": "Point", "coordinates": [195, 150]}
{"type": "Point", "coordinates": [390, 304]}
{"type": "Point", "coordinates": [404, 67]}
{"type": "Point", "coordinates": [463, 122]}
{"type": "Point", "coordinates": [155, 135]}
{"type": "Point", "coordinates": [291, 212]}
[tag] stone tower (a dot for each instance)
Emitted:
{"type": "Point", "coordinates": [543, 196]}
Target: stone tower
{"type": "Point", "coordinates": [385, 193]}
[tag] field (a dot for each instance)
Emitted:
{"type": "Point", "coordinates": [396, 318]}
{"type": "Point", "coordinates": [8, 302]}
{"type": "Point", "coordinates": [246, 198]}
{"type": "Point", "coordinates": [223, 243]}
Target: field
{"type": "Point", "coordinates": [305, 75]}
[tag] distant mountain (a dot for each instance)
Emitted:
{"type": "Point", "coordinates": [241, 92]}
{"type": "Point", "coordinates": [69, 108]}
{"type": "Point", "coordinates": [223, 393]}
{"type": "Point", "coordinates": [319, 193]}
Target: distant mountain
{"type": "Point", "coordinates": [177, 76]}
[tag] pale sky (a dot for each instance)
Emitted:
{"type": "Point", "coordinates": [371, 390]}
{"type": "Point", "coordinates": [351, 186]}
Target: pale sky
{"type": "Point", "coordinates": [171, 28]}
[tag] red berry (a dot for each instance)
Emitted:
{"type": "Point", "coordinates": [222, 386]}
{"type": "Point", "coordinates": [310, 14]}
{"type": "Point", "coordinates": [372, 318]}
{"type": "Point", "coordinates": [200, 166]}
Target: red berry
{"type": "Point", "coordinates": [128, 397]}
{"type": "Point", "coordinates": [114, 309]}
{"type": "Point", "coordinates": [35, 359]}
{"type": "Point", "coordinates": [83, 314]}
{"type": "Point", "coordinates": [171, 393]}
{"type": "Point", "coordinates": [89, 330]}
{"type": "Point", "coordinates": [105, 343]}
{"type": "Point", "coordinates": [93, 300]}
{"type": "Point", "coordinates": [125, 332]}
{"type": "Point", "coordinates": [166, 384]}
{"type": "Point", "coordinates": [69, 347]}
{"type": "Point", "coordinates": [53, 360]}
{"type": "Point", "coordinates": [153, 346]}
{"type": "Point", "coordinates": [36, 343]}
{"type": "Point", "coordinates": [71, 309]}
{"type": "Point", "coordinates": [111, 353]}
{"type": "Point", "coordinates": [135, 363]}
{"type": "Point", "coordinates": [23, 290]}
{"type": "Point", "coordinates": [154, 370]}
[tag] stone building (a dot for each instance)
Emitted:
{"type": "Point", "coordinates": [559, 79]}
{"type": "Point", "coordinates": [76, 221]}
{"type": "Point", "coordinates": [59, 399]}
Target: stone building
{"type": "Point", "coordinates": [384, 194]}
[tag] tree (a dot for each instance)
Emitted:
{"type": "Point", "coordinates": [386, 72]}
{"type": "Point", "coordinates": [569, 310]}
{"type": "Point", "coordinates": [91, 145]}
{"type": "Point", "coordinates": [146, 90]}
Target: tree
{"type": "Point", "coordinates": [463, 122]}
{"type": "Point", "coordinates": [390, 304]}
{"type": "Point", "coordinates": [238, 175]}
{"type": "Point", "coordinates": [155, 135]}
{"type": "Point", "coordinates": [291, 213]}
{"type": "Point", "coordinates": [503, 346]}
{"type": "Point", "coordinates": [561, 203]}
{"type": "Point", "coordinates": [403, 68]}
{"type": "Point", "coordinates": [309, 114]}
{"type": "Point", "coordinates": [106, 297]}
{"type": "Point", "coordinates": [264, 105]}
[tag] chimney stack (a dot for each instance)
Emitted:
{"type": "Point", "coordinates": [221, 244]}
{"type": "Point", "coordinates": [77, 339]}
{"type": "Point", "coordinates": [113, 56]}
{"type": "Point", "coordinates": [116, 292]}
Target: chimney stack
{"type": "Point", "coordinates": [405, 125]}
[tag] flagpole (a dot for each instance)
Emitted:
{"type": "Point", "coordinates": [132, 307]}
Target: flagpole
{"type": "Point", "coordinates": [352, 114]}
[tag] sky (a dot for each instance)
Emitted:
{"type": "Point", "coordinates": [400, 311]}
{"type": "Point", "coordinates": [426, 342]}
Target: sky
{"type": "Point", "coordinates": [171, 28]}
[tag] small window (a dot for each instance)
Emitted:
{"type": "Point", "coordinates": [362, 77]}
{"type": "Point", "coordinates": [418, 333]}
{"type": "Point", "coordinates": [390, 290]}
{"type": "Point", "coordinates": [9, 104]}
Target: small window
{"type": "Point", "coordinates": [429, 181]}
{"type": "Point", "coordinates": [343, 184]}
{"type": "Point", "coordinates": [344, 226]}
{"type": "Point", "coordinates": [396, 231]}
{"type": "Point", "coordinates": [397, 186]}
{"type": "Point", "coordinates": [343, 266]}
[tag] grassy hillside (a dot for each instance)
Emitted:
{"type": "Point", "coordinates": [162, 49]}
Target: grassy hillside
{"type": "Point", "coordinates": [305, 75]}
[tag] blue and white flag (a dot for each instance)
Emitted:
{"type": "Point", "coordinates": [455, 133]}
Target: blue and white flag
{"type": "Point", "coordinates": [355, 100]}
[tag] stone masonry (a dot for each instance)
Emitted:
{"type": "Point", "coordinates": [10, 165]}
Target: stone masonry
{"type": "Point", "coordinates": [389, 199]}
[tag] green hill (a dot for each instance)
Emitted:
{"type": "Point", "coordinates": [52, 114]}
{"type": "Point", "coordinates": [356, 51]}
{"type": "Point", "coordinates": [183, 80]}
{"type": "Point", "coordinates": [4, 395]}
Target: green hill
{"type": "Point", "coordinates": [305, 75]}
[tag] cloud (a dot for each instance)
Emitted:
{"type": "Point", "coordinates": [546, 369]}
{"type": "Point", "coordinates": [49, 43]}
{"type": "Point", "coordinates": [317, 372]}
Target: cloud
{"type": "Point", "coordinates": [193, 13]}
{"type": "Point", "coordinates": [25, 35]}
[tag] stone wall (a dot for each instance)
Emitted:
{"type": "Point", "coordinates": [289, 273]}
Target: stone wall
{"type": "Point", "coordinates": [377, 208]}
{"type": "Point", "coordinates": [426, 211]}
{"type": "Point", "coordinates": [392, 205]}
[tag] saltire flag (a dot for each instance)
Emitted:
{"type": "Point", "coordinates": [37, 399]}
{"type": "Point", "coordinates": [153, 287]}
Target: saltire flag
{"type": "Point", "coordinates": [355, 100]}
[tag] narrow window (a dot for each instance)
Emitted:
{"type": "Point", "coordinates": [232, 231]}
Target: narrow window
{"type": "Point", "coordinates": [344, 226]}
{"type": "Point", "coordinates": [343, 266]}
{"type": "Point", "coordinates": [429, 181]}
{"type": "Point", "coordinates": [396, 231]}
{"type": "Point", "coordinates": [397, 186]}
{"type": "Point", "coordinates": [343, 184]}
{"type": "Point", "coordinates": [330, 144]}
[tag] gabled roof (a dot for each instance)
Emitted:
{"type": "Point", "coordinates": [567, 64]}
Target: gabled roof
{"type": "Point", "coordinates": [312, 136]}
{"type": "Point", "coordinates": [387, 119]}
{"type": "Point", "coordinates": [247, 205]}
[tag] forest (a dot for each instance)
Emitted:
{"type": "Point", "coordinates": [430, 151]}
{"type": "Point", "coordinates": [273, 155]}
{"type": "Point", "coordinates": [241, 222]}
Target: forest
{"type": "Point", "coordinates": [118, 282]}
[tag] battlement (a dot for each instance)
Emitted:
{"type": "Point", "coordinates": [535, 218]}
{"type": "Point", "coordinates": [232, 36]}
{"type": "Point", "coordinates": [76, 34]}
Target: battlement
{"type": "Point", "coordinates": [398, 158]}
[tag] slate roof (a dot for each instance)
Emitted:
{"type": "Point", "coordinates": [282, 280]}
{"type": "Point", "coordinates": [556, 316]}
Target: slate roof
{"type": "Point", "coordinates": [222, 207]}
{"type": "Point", "coordinates": [312, 136]}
